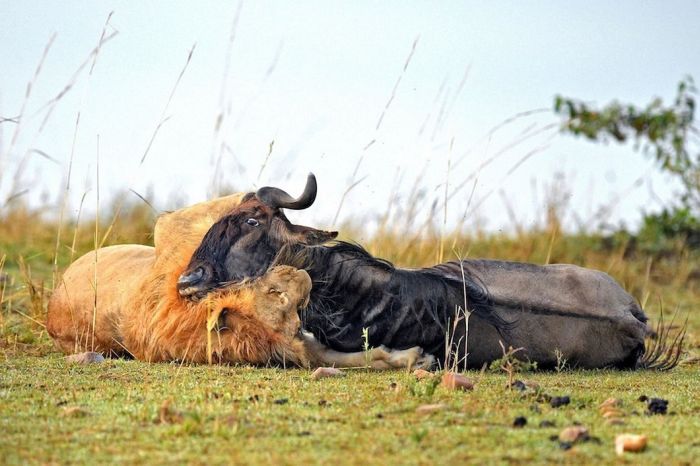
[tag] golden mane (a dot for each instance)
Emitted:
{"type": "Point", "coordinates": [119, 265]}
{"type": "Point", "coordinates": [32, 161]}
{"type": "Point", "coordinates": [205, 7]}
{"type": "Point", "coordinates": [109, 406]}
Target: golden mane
{"type": "Point", "coordinates": [139, 310]}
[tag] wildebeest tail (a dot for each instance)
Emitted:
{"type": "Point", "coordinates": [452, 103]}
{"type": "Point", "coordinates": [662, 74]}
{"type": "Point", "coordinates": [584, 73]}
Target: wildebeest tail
{"type": "Point", "coordinates": [663, 350]}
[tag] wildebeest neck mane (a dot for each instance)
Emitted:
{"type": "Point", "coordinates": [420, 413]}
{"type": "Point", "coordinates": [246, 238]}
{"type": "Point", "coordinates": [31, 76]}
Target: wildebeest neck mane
{"type": "Point", "coordinates": [352, 291]}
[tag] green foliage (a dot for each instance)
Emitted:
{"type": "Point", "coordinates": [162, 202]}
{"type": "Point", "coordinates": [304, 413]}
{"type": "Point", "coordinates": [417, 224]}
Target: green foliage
{"type": "Point", "coordinates": [667, 234]}
{"type": "Point", "coordinates": [669, 230]}
{"type": "Point", "coordinates": [665, 132]}
{"type": "Point", "coordinates": [423, 388]}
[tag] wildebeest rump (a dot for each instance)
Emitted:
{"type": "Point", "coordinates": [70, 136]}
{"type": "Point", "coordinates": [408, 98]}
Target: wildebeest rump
{"type": "Point", "coordinates": [553, 312]}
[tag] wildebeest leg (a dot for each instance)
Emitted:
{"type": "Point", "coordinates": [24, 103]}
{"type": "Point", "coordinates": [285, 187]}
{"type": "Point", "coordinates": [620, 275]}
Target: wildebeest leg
{"type": "Point", "coordinates": [483, 347]}
{"type": "Point", "coordinates": [376, 358]}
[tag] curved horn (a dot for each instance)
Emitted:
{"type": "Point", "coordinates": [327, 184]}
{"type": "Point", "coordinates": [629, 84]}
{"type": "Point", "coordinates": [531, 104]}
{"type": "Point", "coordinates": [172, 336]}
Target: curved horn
{"type": "Point", "coordinates": [276, 198]}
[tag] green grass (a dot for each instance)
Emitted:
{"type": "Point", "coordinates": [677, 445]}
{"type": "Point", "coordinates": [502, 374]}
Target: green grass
{"type": "Point", "coordinates": [230, 415]}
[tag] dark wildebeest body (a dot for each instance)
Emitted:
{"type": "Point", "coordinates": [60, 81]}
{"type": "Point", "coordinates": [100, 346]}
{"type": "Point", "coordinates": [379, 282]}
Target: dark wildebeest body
{"type": "Point", "coordinates": [583, 315]}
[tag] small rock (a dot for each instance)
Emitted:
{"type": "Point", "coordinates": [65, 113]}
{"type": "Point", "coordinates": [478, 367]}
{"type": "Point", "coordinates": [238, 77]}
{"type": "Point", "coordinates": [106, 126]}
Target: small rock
{"type": "Point", "coordinates": [421, 374]}
{"type": "Point", "coordinates": [454, 381]}
{"type": "Point", "coordinates": [323, 402]}
{"type": "Point", "coordinates": [74, 411]}
{"type": "Point", "coordinates": [558, 401]}
{"type": "Point", "coordinates": [430, 409]}
{"type": "Point", "coordinates": [613, 413]}
{"type": "Point", "coordinates": [643, 398]}
{"type": "Point", "coordinates": [281, 401]}
{"type": "Point", "coordinates": [657, 406]}
{"type": "Point", "coordinates": [520, 421]}
{"type": "Point", "coordinates": [614, 421]}
{"type": "Point", "coordinates": [518, 385]}
{"type": "Point", "coordinates": [88, 357]}
{"type": "Point", "coordinates": [323, 372]}
{"type": "Point", "coordinates": [610, 403]}
{"type": "Point", "coordinates": [525, 385]}
{"type": "Point", "coordinates": [630, 442]}
{"type": "Point", "coordinates": [169, 415]}
{"type": "Point", "coordinates": [231, 420]}
{"type": "Point", "coordinates": [573, 434]}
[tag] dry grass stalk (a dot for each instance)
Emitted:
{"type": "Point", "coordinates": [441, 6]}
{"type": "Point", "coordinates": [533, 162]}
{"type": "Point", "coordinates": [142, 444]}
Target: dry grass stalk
{"type": "Point", "coordinates": [163, 119]}
{"type": "Point", "coordinates": [509, 363]}
{"type": "Point", "coordinates": [30, 86]}
{"type": "Point", "coordinates": [97, 234]}
{"type": "Point", "coordinates": [352, 185]}
{"type": "Point", "coordinates": [76, 228]}
{"type": "Point", "coordinates": [267, 158]}
{"type": "Point", "coordinates": [51, 105]}
{"type": "Point", "coordinates": [443, 231]}
{"type": "Point", "coordinates": [396, 85]}
{"type": "Point", "coordinates": [64, 201]}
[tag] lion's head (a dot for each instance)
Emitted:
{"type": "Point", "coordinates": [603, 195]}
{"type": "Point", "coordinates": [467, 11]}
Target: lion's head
{"type": "Point", "coordinates": [258, 319]}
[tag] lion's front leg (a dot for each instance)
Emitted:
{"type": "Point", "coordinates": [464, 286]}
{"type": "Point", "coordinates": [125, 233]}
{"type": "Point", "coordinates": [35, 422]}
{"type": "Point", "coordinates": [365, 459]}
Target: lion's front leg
{"type": "Point", "coordinates": [376, 358]}
{"type": "Point", "coordinates": [413, 357]}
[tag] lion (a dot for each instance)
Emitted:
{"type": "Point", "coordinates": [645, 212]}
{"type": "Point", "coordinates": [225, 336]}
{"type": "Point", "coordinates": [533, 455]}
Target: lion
{"type": "Point", "coordinates": [123, 301]}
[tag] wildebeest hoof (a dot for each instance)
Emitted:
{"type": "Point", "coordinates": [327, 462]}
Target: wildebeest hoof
{"type": "Point", "coordinates": [85, 358]}
{"type": "Point", "coordinates": [410, 358]}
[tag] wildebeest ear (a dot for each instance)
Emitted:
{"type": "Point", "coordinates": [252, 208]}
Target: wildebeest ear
{"type": "Point", "coordinates": [311, 236]}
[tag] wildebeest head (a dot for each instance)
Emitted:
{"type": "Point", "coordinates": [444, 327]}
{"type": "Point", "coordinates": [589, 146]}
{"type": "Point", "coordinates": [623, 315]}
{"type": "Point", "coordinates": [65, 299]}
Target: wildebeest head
{"type": "Point", "coordinates": [244, 243]}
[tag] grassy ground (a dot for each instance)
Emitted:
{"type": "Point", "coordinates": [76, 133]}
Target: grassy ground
{"type": "Point", "coordinates": [276, 416]}
{"type": "Point", "coordinates": [54, 412]}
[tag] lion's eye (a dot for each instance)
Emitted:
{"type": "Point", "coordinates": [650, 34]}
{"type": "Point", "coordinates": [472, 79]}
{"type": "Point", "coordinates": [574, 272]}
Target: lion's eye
{"type": "Point", "coordinates": [273, 290]}
{"type": "Point", "coordinates": [252, 222]}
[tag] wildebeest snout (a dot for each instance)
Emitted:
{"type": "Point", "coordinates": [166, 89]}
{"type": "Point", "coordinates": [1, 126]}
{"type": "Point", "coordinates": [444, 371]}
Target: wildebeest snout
{"type": "Point", "coordinates": [190, 283]}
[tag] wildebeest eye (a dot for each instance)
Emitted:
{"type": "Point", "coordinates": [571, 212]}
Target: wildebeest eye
{"type": "Point", "coordinates": [252, 222]}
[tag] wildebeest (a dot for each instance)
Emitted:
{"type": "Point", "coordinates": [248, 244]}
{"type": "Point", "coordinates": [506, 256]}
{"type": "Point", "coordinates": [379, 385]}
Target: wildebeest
{"type": "Point", "coordinates": [123, 300]}
{"type": "Point", "coordinates": [555, 313]}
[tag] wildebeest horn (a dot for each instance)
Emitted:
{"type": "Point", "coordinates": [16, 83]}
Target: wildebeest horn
{"type": "Point", "coordinates": [276, 198]}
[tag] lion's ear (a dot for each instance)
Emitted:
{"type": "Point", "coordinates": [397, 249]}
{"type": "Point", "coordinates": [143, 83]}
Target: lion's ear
{"type": "Point", "coordinates": [220, 321]}
{"type": "Point", "coordinates": [311, 236]}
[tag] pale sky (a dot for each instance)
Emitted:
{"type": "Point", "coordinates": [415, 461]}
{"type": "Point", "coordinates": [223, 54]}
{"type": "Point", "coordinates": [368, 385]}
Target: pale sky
{"type": "Point", "coordinates": [314, 77]}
